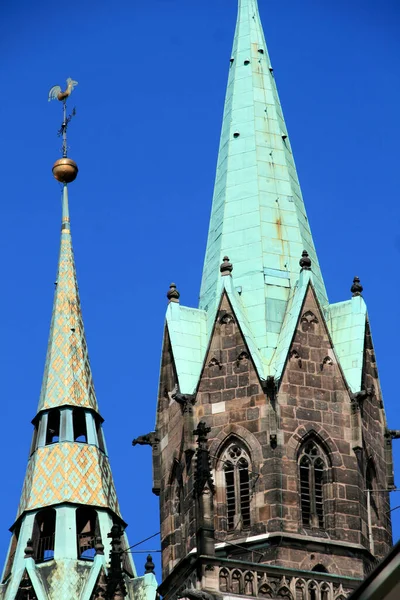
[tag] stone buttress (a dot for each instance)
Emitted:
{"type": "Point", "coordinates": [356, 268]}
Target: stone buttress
{"type": "Point", "coordinates": [286, 384]}
{"type": "Point", "coordinates": [61, 540]}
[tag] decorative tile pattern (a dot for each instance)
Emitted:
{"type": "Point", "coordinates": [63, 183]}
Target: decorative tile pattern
{"type": "Point", "coordinates": [68, 472]}
{"type": "Point", "coordinates": [65, 581]}
{"type": "Point", "coordinates": [67, 376]}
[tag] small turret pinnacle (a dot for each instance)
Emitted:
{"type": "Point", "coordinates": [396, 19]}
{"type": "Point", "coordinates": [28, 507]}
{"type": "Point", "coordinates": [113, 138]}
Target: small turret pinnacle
{"type": "Point", "coordinates": [173, 295]}
{"type": "Point", "coordinates": [149, 565]}
{"type": "Point", "coordinates": [29, 551]}
{"type": "Point", "coordinates": [226, 267]}
{"type": "Point", "coordinates": [305, 261]}
{"type": "Point", "coordinates": [356, 289]}
{"type": "Point", "coordinates": [99, 547]}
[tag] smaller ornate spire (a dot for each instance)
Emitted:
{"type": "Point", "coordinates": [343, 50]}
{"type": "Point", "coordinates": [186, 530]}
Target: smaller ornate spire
{"type": "Point", "coordinates": [305, 261]}
{"type": "Point", "coordinates": [29, 551]}
{"type": "Point", "coordinates": [149, 565]}
{"type": "Point", "coordinates": [173, 295]}
{"type": "Point", "coordinates": [116, 587]}
{"type": "Point", "coordinates": [356, 289]}
{"type": "Point", "coordinates": [226, 266]}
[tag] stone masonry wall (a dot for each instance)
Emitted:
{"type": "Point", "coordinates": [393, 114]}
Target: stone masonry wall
{"type": "Point", "coordinates": [272, 423]}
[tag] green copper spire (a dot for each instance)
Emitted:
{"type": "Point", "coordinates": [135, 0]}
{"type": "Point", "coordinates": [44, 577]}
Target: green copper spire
{"type": "Point", "coordinates": [258, 216]}
{"type": "Point", "coordinates": [67, 376]}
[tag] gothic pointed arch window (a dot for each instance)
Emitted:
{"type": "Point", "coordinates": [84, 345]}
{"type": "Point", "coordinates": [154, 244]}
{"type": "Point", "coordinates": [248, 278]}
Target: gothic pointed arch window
{"type": "Point", "coordinates": [236, 465]}
{"type": "Point", "coordinates": [313, 467]}
{"type": "Point", "coordinates": [224, 580]}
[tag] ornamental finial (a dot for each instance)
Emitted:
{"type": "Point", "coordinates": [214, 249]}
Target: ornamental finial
{"type": "Point", "coordinates": [226, 267]}
{"type": "Point", "coordinates": [149, 565]}
{"type": "Point", "coordinates": [65, 169]}
{"type": "Point", "coordinates": [173, 295]}
{"type": "Point", "coordinates": [305, 261]}
{"type": "Point", "coordinates": [356, 289]}
{"type": "Point", "coordinates": [29, 551]}
{"type": "Point", "coordinates": [99, 547]}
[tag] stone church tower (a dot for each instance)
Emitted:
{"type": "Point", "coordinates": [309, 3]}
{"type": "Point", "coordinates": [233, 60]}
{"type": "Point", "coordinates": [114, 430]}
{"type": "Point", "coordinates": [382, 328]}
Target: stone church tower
{"type": "Point", "coordinates": [272, 457]}
{"type": "Point", "coordinates": [68, 540]}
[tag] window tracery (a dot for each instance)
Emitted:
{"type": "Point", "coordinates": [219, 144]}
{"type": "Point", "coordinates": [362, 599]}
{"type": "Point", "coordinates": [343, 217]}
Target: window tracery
{"type": "Point", "coordinates": [313, 466]}
{"type": "Point", "coordinates": [235, 463]}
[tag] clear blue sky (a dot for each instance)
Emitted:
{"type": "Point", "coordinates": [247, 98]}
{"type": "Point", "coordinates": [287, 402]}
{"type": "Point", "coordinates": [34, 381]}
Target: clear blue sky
{"type": "Point", "coordinates": [152, 79]}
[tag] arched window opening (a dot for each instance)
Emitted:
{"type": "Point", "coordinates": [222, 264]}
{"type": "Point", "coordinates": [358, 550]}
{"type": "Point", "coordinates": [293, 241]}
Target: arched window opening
{"type": "Point", "coordinates": [248, 584]}
{"type": "Point", "coordinates": [300, 590]}
{"type": "Point", "coordinates": [265, 592]}
{"type": "Point", "coordinates": [87, 529]}
{"type": "Point", "coordinates": [44, 529]}
{"type": "Point", "coordinates": [320, 569]}
{"type": "Point", "coordinates": [223, 580]}
{"type": "Point", "coordinates": [313, 470]}
{"type": "Point", "coordinates": [11, 554]}
{"type": "Point", "coordinates": [79, 425]}
{"type": "Point", "coordinates": [325, 592]}
{"type": "Point", "coordinates": [236, 583]}
{"type": "Point", "coordinates": [53, 426]}
{"type": "Point", "coordinates": [313, 591]}
{"type": "Point", "coordinates": [235, 462]}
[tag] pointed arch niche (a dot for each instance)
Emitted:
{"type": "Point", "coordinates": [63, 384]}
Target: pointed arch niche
{"type": "Point", "coordinates": [233, 477]}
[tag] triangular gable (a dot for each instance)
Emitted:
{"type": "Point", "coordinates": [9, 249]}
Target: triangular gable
{"type": "Point", "coordinates": [289, 324]}
{"type": "Point", "coordinates": [190, 332]}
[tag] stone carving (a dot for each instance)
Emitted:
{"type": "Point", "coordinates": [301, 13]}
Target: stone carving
{"type": "Point", "coordinates": [186, 401]}
{"type": "Point", "coordinates": [214, 362]}
{"type": "Point", "coordinates": [327, 361]}
{"type": "Point", "coordinates": [294, 355]}
{"type": "Point", "coordinates": [308, 321]}
{"type": "Point", "coordinates": [261, 585]}
{"type": "Point", "coordinates": [148, 439]}
{"type": "Point", "coordinates": [226, 319]}
{"type": "Point", "coordinates": [243, 356]}
{"type": "Point", "coordinates": [195, 595]}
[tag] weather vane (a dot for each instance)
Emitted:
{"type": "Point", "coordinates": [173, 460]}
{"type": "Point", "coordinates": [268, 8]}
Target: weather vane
{"type": "Point", "coordinates": [65, 169]}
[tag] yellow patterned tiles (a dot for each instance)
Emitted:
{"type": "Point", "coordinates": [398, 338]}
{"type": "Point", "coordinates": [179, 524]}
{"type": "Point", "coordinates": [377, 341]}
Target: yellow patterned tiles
{"type": "Point", "coordinates": [68, 472]}
{"type": "Point", "coordinates": [67, 376]}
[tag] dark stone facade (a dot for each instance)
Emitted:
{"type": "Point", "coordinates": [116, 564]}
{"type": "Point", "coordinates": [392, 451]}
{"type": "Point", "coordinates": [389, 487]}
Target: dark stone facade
{"type": "Point", "coordinates": [273, 419]}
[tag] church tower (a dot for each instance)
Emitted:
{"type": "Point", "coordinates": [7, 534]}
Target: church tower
{"type": "Point", "coordinates": [68, 539]}
{"type": "Point", "coordinates": [271, 453]}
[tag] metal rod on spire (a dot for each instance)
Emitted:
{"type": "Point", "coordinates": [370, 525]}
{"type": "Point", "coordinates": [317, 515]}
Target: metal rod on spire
{"type": "Point", "coordinates": [65, 169]}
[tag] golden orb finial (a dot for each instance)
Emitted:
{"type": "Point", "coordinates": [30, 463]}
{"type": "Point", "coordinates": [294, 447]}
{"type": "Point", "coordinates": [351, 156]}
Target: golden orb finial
{"type": "Point", "coordinates": [65, 170]}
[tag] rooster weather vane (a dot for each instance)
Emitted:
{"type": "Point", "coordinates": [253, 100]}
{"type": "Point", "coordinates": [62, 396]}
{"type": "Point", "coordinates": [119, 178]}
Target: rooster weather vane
{"type": "Point", "coordinates": [56, 93]}
{"type": "Point", "coordinates": [65, 169]}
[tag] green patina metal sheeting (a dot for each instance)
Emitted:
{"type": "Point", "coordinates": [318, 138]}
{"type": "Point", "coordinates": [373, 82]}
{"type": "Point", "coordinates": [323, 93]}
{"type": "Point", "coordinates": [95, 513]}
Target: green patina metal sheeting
{"type": "Point", "coordinates": [258, 216]}
{"type": "Point", "coordinates": [258, 219]}
{"type": "Point", "coordinates": [67, 375]}
{"type": "Point", "coordinates": [346, 322]}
